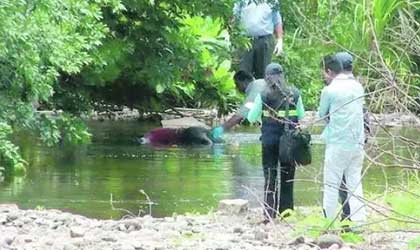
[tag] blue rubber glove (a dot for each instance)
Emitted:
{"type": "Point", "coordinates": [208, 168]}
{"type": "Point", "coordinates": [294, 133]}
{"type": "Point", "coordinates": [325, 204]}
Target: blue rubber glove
{"type": "Point", "coordinates": [217, 132]}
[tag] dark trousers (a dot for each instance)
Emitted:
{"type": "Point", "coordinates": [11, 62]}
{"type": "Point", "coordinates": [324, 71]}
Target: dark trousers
{"type": "Point", "coordinates": [277, 198]}
{"type": "Point", "coordinates": [258, 56]}
{"type": "Point", "coordinates": [343, 193]}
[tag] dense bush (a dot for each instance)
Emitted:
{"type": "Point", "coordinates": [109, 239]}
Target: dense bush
{"type": "Point", "coordinates": [158, 55]}
{"type": "Point", "coordinates": [39, 40]}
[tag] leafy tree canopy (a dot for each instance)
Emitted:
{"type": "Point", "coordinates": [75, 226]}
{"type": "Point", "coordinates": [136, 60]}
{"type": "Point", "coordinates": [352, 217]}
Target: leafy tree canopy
{"type": "Point", "coordinates": [76, 55]}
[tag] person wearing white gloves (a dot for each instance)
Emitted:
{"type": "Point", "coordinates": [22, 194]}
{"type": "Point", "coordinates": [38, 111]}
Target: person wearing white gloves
{"type": "Point", "coordinates": [342, 105]}
{"type": "Point", "coordinates": [261, 20]}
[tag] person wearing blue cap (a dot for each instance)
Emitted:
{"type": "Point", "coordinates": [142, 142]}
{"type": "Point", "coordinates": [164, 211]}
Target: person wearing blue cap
{"type": "Point", "coordinates": [346, 60]}
{"type": "Point", "coordinates": [270, 96]}
{"type": "Point", "coordinates": [260, 20]}
{"type": "Point", "coordinates": [342, 103]}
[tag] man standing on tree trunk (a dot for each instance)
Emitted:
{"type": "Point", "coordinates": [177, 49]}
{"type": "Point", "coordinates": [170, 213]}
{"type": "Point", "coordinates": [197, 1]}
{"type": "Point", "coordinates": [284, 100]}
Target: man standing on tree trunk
{"type": "Point", "coordinates": [260, 19]}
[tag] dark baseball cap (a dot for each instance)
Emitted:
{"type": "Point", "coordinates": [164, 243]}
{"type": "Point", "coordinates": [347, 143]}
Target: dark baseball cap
{"type": "Point", "coordinates": [346, 59]}
{"type": "Point", "coordinates": [274, 69]}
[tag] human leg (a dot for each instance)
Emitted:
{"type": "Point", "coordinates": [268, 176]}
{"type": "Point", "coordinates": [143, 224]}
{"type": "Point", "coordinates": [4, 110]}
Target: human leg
{"type": "Point", "coordinates": [334, 166]}
{"type": "Point", "coordinates": [343, 194]}
{"type": "Point", "coordinates": [270, 165]}
{"type": "Point", "coordinates": [353, 175]}
{"type": "Point", "coordinates": [287, 175]}
{"type": "Point", "coordinates": [263, 48]}
{"type": "Point", "coordinates": [246, 61]}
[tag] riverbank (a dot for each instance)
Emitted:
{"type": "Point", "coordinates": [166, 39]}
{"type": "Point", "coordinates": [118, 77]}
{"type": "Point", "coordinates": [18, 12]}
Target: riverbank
{"type": "Point", "coordinates": [210, 117]}
{"type": "Point", "coordinates": [232, 227]}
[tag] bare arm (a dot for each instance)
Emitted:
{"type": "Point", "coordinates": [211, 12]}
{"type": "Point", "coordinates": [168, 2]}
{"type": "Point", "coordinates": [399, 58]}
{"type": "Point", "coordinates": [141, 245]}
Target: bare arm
{"type": "Point", "coordinates": [278, 31]}
{"type": "Point", "coordinates": [234, 120]}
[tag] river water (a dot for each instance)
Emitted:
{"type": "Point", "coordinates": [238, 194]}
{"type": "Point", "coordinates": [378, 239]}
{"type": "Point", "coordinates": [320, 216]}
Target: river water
{"type": "Point", "coordinates": [176, 179]}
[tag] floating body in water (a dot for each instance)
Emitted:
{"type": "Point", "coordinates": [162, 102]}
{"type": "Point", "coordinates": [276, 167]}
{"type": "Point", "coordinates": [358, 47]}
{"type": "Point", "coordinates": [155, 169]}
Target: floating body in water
{"type": "Point", "coordinates": [178, 136]}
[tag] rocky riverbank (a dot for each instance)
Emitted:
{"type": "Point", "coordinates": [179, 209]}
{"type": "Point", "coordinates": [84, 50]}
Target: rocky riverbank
{"type": "Point", "coordinates": [232, 227]}
{"type": "Point", "coordinates": [210, 116]}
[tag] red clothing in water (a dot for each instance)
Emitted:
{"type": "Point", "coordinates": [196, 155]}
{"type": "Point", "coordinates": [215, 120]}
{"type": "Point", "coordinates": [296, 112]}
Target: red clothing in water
{"type": "Point", "coordinates": [163, 136]}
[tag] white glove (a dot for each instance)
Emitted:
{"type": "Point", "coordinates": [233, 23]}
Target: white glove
{"type": "Point", "coordinates": [278, 49]}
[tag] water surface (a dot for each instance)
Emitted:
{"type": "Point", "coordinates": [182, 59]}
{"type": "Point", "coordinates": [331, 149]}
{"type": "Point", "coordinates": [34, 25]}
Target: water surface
{"type": "Point", "coordinates": [176, 179]}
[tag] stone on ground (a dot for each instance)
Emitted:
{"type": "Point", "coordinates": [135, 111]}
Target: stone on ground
{"type": "Point", "coordinates": [329, 240]}
{"type": "Point", "coordinates": [236, 206]}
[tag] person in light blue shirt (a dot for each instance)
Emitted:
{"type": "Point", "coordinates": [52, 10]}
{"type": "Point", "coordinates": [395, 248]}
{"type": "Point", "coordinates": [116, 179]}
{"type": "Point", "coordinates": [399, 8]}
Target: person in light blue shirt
{"type": "Point", "coordinates": [260, 20]}
{"type": "Point", "coordinates": [341, 105]}
{"type": "Point", "coordinates": [346, 60]}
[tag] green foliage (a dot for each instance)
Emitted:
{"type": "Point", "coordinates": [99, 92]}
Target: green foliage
{"type": "Point", "coordinates": [403, 214]}
{"type": "Point", "coordinates": [314, 225]}
{"type": "Point", "coordinates": [49, 131]}
{"type": "Point", "coordinates": [406, 206]}
{"type": "Point", "coordinates": [302, 69]}
{"type": "Point", "coordinates": [414, 244]}
{"type": "Point", "coordinates": [9, 155]}
{"type": "Point", "coordinates": [39, 40]}
{"type": "Point", "coordinates": [159, 55]}
{"type": "Point", "coordinates": [154, 55]}
{"type": "Point", "coordinates": [65, 128]}
{"type": "Point", "coordinates": [375, 31]}
{"type": "Point", "coordinates": [74, 130]}
{"type": "Point", "coordinates": [351, 237]}
{"type": "Point", "coordinates": [40, 208]}
{"type": "Point", "coordinates": [171, 53]}
{"type": "Point", "coordinates": [210, 80]}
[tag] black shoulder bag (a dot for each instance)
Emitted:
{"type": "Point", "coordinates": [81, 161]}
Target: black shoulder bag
{"type": "Point", "coordinates": [295, 144]}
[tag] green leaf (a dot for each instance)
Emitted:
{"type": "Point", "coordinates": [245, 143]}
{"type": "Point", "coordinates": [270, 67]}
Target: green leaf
{"type": "Point", "coordinates": [160, 88]}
